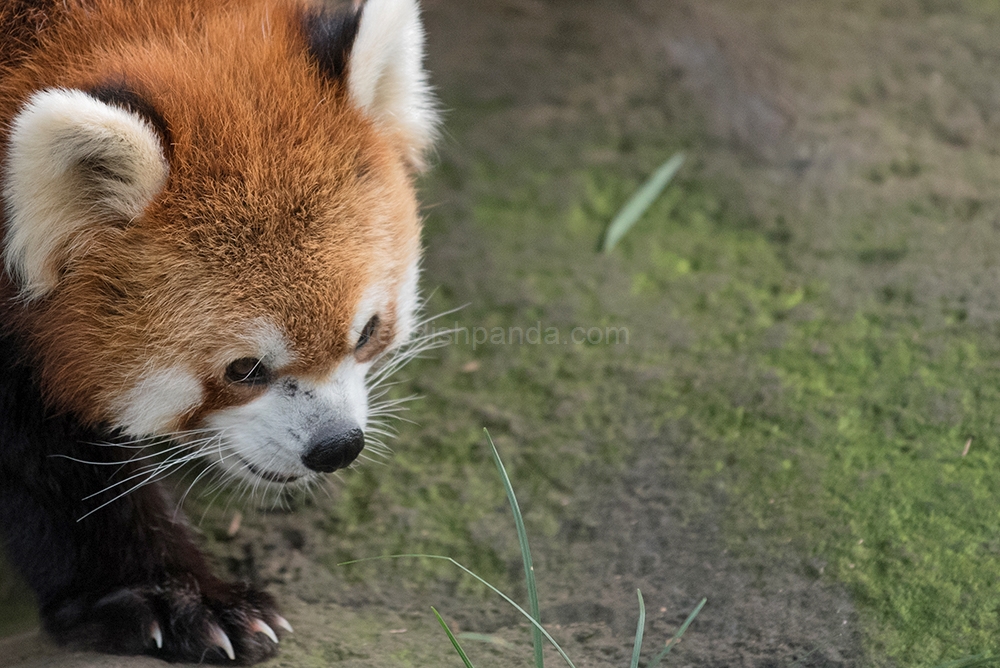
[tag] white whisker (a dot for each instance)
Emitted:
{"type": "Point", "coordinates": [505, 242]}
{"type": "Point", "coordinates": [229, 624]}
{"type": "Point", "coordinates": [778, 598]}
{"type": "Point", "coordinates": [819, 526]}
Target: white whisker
{"type": "Point", "coordinates": [172, 458]}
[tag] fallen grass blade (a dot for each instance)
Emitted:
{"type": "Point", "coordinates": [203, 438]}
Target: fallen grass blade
{"type": "Point", "coordinates": [640, 202]}
{"type": "Point", "coordinates": [677, 636]}
{"type": "Point", "coordinates": [638, 631]}
{"type": "Point", "coordinates": [522, 537]}
{"type": "Point", "coordinates": [482, 581]}
{"type": "Point", "coordinates": [453, 639]}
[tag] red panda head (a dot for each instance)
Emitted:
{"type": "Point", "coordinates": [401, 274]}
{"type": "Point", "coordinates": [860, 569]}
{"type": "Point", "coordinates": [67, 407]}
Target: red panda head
{"type": "Point", "coordinates": [210, 225]}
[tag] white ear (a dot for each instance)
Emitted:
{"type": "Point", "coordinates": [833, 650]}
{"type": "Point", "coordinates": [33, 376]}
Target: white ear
{"type": "Point", "coordinates": [385, 75]}
{"type": "Point", "coordinates": [73, 162]}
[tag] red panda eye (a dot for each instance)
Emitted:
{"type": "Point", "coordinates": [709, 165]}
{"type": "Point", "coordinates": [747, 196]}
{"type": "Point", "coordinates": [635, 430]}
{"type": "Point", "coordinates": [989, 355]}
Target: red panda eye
{"type": "Point", "coordinates": [248, 371]}
{"type": "Point", "coordinates": [367, 333]}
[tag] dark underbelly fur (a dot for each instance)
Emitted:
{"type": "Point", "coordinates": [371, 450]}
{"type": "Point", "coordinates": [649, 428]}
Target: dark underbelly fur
{"type": "Point", "coordinates": [127, 579]}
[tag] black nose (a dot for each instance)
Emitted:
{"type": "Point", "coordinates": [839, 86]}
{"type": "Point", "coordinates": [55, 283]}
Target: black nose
{"type": "Point", "coordinates": [330, 454]}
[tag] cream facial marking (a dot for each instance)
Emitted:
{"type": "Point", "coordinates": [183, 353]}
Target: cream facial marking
{"type": "Point", "coordinates": [378, 301]}
{"type": "Point", "coordinates": [264, 350]}
{"type": "Point", "coordinates": [158, 401]}
{"type": "Point", "coordinates": [296, 428]}
{"type": "Point", "coordinates": [373, 302]}
{"type": "Point", "coordinates": [407, 301]}
{"type": "Point", "coordinates": [273, 346]}
{"type": "Point", "coordinates": [368, 328]}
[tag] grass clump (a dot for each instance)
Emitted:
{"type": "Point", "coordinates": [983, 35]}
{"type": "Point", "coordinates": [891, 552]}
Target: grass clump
{"type": "Point", "coordinates": [534, 617]}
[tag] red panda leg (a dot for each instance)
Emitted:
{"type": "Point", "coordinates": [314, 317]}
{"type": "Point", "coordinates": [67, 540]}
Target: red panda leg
{"type": "Point", "coordinates": [128, 578]}
{"type": "Point", "coordinates": [175, 620]}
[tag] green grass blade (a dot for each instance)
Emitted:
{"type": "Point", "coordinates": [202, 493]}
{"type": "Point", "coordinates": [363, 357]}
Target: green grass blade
{"type": "Point", "coordinates": [640, 202]}
{"type": "Point", "coordinates": [677, 636]}
{"type": "Point", "coordinates": [522, 537]}
{"type": "Point", "coordinates": [453, 639]}
{"type": "Point", "coordinates": [972, 662]}
{"type": "Point", "coordinates": [638, 631]}
{"type": "Point", "coordinates": [496, 591]}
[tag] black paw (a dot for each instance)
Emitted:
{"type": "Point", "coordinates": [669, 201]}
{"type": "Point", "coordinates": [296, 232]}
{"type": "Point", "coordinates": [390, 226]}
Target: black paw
{"type": "Point", "coordinates": [176, 621]}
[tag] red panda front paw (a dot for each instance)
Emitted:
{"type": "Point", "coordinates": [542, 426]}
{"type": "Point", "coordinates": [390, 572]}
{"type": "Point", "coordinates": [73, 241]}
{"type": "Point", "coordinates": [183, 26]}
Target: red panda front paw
{"type": "Point", "coordinates": [178, 621]}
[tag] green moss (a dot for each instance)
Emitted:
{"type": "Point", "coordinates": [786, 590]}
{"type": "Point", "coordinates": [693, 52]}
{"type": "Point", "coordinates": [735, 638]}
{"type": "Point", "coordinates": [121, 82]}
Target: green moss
{"type": "Point", "coordinates": [841, 434]}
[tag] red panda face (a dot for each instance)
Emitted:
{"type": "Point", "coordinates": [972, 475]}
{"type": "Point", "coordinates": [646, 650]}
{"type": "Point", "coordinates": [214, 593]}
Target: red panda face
{"type": "Point", "coordinates": [210, 222]}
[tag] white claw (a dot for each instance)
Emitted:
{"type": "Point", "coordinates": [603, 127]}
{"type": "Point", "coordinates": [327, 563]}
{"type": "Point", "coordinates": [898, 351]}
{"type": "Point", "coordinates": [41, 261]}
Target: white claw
{"type": "Point", "coordinates": [221, 640]}
{"type": "Point", "coordinates": [283, 623]}
{"type": "Point", "coordinates": [259, 626]}
{"type": "Point", "coordinates": [156, 634]}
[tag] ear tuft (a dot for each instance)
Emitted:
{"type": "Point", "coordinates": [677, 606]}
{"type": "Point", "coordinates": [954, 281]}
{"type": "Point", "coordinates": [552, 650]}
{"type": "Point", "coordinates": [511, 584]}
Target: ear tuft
{"type": "Point", "coordinates": [386, 77]}
{"type": "Point", "coordinates": [73, 163]}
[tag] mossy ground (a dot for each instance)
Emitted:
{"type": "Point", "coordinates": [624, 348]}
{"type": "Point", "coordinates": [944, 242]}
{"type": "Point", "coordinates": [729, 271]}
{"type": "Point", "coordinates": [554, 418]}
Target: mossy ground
{"type": "Point", "coordinates": [845, 435]}
{"type": "Point", "coordinates": [839, 433]}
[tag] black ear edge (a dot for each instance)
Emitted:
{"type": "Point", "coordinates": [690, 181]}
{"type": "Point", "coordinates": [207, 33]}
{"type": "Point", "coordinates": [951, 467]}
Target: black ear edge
{"type": "Point", "coordinates": [330, 35]}
{"type": "Point", "coordinates": [119, 93]}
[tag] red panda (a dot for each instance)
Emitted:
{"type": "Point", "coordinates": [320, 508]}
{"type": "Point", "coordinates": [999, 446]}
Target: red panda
{"type": "Point", "coordinates": [210, 235]}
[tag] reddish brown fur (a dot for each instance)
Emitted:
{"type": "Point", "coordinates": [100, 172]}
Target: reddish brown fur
{"type": "Point", "coordinates": [283, 201]}
{"type": "Point", "coordinates": [23, 23]}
